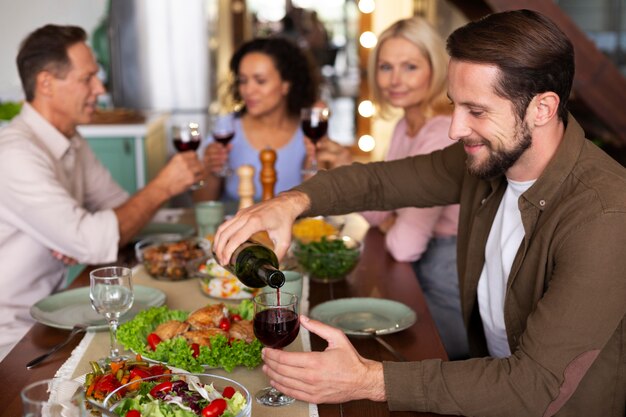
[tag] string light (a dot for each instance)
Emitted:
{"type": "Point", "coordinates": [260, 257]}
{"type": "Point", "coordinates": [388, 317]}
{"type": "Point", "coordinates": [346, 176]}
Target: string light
{"type": "Point", "coordinates": [368, 39]}
{"type": "Point", "coordinates": [366, 108]}
{"type": "Point", "coordinates": [366, 143]}
{"type": "Point", "coordinates": [366, 6]}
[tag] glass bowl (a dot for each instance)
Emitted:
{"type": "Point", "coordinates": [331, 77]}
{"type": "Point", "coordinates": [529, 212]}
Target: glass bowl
{"type": "Point", "coordinates": [130, 390]}
{"type": "Point", "coordinates": [312, 229]}
{"type": "Point", "coordinates": [217, 282]}
{"type": "Point", "coordinates": [166, 256]}
{"type": "Point", "coordinates": [330, 259]}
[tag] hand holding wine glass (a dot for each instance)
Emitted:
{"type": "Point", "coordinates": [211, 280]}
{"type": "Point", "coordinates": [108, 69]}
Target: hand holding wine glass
{"type": "Point", "coordinates": [223, 131]}
{"type": "Point", "coordinates": [187, 137]}
{"type": "Point", "coordinates": [276, 324]}
{"type": "Point", "coordinates": [314, 122]}
{"type": "Point", "coordinates": [111, 294]}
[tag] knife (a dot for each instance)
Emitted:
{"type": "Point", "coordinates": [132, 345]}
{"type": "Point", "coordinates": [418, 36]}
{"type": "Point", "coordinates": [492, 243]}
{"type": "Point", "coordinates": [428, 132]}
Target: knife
{"type": "Point", "coordinates": [373, 333]}
{"type": "Point", "coordinates": [78, 328]}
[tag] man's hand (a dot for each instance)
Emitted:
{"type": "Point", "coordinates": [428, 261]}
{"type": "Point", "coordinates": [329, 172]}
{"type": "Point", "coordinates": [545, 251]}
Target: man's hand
{"type": "Point", "coordinates": [183, 170]}
{"type": "Point", "coordinates": [275, 216]}
{"type": "Point", "coordinates": [336, 375]}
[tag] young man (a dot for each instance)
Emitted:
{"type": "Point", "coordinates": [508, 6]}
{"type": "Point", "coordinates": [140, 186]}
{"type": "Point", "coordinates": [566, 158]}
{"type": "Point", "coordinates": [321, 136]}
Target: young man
{"type": "Point", "coordinates": [59, 204]}
{"type": "Point", "coordinates": [541, 243]}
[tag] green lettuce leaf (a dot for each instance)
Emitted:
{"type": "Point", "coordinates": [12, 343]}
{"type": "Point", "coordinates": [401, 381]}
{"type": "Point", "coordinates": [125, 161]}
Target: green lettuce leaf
{"type": "Point", "coordinates": [176, 352]}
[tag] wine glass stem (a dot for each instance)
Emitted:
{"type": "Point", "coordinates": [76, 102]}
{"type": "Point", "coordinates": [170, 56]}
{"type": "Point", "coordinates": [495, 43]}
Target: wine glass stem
{"type": "Point", "coordinates": [113, 334]}
{"type": "Point", "coordinates": [314, 162]}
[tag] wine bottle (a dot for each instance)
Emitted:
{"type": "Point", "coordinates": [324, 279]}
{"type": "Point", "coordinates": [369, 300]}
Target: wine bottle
{"type": "Point", "coordinates": [255, 265]}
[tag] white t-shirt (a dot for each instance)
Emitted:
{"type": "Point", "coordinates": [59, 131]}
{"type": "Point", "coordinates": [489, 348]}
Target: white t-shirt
{"type": "Point", "coordinates": [503, 243]}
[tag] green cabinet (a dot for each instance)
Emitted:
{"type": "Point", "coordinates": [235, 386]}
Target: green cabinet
{"type": "Point", "coordinates": [118, 155]}
{"type": "Point", "coordinates": [133, 153]}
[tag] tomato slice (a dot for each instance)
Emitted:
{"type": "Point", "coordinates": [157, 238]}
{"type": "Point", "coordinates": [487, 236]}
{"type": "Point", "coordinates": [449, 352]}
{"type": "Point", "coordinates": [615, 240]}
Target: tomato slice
{"type": "Point", "coordinates": [155, 370]}
{"type": "Point", "coordinates": [235, 317]}
{"type": "Point", "coordinates": [195, 350]}
{"type": "Point", "coordinates": [215, 408]}
{"type": "Point", "coordinates": [139, 372]}
{"type": "Point", "coordinates": [228, 392]}
{"type": "Point", "coordinates": [153, 340]}
{"type": "Point", "coordinates": [163, 387]}
{"type": "Point", "coordinates": [107, 383]}
{"type": "Point", "coordinates": [224, 324]}
{"type": "Point", "coordinates": [133, 413]}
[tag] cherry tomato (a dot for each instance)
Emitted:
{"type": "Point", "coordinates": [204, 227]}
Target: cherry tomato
{"type": "Point", "coordinates": [163, 387]}
{"type": "Point", "coordinates": [133, 413]}
{"type": "Point", "coordinates": [228, 392]}
{"type": "Point", "coordinates": [153, 340]}
{"type": "Point", "coordinates": [195, 350]}
{"type": "Point", "coordinates": [224, 324]}
{"type": "Point", "coordinates": [215, 408]}
{"type": "Point", "coordinates": [235, 317]}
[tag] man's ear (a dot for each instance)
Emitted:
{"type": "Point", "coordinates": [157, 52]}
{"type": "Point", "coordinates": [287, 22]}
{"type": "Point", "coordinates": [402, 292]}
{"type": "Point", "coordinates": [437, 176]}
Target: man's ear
{"type": "Point", "coordinates": [44, 82]}
{"type": "Point", "coordinates": [546, 106]}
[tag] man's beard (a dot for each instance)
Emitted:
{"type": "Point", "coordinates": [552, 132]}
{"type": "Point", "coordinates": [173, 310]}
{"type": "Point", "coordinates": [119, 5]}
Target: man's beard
{"type": "Point", "coordinates": [499, 161]}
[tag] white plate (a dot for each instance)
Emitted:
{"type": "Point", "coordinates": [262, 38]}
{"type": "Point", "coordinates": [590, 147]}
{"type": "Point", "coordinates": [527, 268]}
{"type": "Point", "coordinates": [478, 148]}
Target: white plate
{"type": "Point", "coordinates": [354, 315]}
{"type": "Point", "coordinates": [65, 309]}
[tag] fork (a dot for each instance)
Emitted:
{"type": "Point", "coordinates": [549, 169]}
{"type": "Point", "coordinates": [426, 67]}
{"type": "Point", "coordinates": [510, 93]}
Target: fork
{"type": "Point", "coordinates": [78, 328]}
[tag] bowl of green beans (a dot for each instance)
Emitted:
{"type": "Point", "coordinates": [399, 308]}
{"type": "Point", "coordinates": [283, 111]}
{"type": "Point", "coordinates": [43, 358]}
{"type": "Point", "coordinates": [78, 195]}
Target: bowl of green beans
{"type": "Point", "coordinates": [329, 259]}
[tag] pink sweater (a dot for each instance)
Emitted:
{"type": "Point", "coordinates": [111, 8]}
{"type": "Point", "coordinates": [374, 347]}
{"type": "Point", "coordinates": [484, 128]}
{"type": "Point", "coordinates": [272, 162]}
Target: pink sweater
{"type": "Point", "coordinates": [414, 227]}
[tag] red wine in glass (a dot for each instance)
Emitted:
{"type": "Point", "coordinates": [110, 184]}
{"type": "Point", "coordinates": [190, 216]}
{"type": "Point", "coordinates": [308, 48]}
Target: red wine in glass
{"type": "Point", "coordinates": [276, 327]}
{"type": "Point", "coordinates": [224, 139]}
{"type": "Point", "coordinates": [186, 137]}
{"type": "Point", "coordinates": [315, 131]}
{"type": "Point", "coordinates": [276, 324]}
{"type": "Point", "coordinates": [314, 122]}
{"type": "Point", "coordinates": [223, 130]}
{"type": "Point", "coordinates": [183, 146]}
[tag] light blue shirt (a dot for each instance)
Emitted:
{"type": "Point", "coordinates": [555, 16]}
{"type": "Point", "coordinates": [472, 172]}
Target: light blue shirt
{"type": "Point", "coordinates": [289, 162]}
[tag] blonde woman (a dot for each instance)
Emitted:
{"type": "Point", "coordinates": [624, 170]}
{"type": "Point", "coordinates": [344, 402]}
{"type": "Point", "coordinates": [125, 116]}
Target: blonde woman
{"type": "Point", "coordinates": [408, 71]}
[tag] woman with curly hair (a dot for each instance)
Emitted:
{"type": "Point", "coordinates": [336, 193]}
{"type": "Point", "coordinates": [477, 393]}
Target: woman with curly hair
{"type": "Point", "coordinates": [273, 80]}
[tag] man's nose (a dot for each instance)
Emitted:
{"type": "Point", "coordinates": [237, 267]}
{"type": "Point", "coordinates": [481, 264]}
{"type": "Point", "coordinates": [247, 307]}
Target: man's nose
{"type": "Point", "coordinates": [459, 128]}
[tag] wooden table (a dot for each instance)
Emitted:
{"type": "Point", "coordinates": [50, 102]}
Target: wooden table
{"type": "Point", "coordinates": [376, 275]}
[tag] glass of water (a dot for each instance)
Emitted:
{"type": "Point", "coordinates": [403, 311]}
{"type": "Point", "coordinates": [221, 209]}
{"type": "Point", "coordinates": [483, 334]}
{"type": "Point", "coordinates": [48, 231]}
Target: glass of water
{"type": "Point", "coordinates": [54, 398]}
{"type": "Point", "coordinates": [111, 294]}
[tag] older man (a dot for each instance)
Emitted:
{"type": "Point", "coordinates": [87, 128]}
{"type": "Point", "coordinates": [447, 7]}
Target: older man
{"type": "Point", "coordinates": [58, 202]}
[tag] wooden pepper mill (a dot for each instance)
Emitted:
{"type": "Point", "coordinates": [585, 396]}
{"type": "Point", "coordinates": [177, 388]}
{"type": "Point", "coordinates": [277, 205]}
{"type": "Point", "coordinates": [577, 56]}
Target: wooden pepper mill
{"type": "Point", "coordinates": [268, 173]}
{"type": "Point", "coordinates": [246, 186]}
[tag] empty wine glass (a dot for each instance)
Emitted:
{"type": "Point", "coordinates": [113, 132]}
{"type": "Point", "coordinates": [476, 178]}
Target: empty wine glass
{"type": "Point", "coordinates": [223, 131]}
{"type": "Point", "coordinates": [186, 137]}
{"type": "Point", "coordinates": [111, 294]}
{"type": "Point", "coordinates": [276, 324]}
{"type": "Point", "coordinates": [314, 122]}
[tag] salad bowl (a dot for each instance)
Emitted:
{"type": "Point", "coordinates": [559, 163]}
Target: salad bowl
{"type": "Point", "coordinates": [329, 259]}
{"type": "Point", "coordinates": [180, 393]}
{"type": "Point", "coordinates": [165, 257]}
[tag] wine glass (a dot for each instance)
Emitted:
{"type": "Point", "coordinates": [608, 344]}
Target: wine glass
{"type": "Point", "coordinates": [111, 294]}
{"type": "Point", "coordinates": [223, 131]}
{"type": "Point", "coordinates": [186, 137]}
{"type": "Point", "coordinates": [314, 125]}
{"type": "Point", "coordinates": [276, 324]}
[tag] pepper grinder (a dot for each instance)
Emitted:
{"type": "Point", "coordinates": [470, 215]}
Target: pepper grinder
{"type": "Point", "coordinates": [246, 186]}
{"type": "Point", "coordinates": [268, 173]}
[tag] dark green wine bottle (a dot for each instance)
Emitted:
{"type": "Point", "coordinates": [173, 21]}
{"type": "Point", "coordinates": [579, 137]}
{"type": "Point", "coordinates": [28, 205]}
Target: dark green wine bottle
{"type": "Point", "coordinates": [256, 266]}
